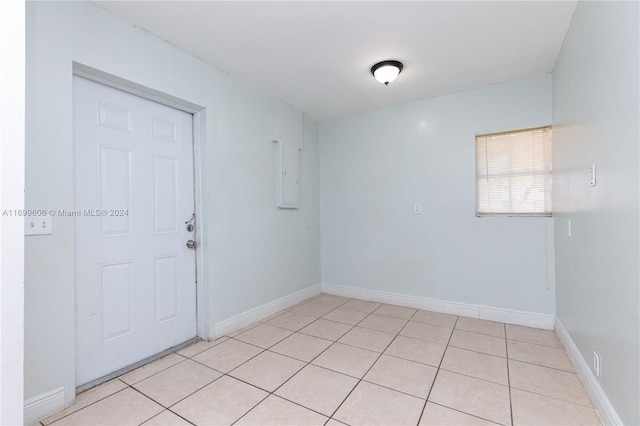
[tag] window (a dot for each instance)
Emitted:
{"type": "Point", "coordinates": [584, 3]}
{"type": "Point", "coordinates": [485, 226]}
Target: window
{"type": "Point", "coordinates": [513, 173]}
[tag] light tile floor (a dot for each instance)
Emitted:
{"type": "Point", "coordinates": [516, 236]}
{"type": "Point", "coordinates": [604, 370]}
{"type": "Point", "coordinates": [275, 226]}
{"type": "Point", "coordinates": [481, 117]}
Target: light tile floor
{"type": "Point", "coordinates": [333, 361]}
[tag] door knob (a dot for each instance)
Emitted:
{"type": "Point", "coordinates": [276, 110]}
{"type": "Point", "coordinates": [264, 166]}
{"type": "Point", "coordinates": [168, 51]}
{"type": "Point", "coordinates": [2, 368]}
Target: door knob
{"type": "Point", "coordinates": [191, 244]}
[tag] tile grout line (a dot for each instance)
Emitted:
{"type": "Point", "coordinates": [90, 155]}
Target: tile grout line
{"type": "Point", "coordinates": [155, 373]}
{"type": "Point", "coordinates": [86, 406]}
{"type": "Point", "coordinates": [514, 359]}
{"type": "Point", "coordinates": [371, 366]}
{"type": "Point", "coordinates": [333, 343]}
{"type": "Point", "coordinates": [396, 357]}
{"type": "Point", "coordinates": [506, 348]}
{"type": "Point", "coordinates": [164, 407]}
{"type": "Point", "coordinates": [535, 343]}
{"type": "Point", "coordinates": [438, 370]}
{"type": "Point", "coordinates": [360, 380]}
{"type": "Point", "coordinates": [465, 413]}
{"type": "Point", "coordinates": [543, 366]}
{"type": "Point", "coordinates": [223, 374]}
{"type": "Point", "coordinates": [462, 374]}
{"type": "Point", "coordinates": [178, 401]}
{"type": "Point", "coordinates": [323, 351]}
{"type": "Point", "coordinates": [270, 393]}
{"type": "Point", "coordinates": [554, 398]}
{"type": "Point", "coordinates": [172, 412]}
{"type": "Point", "coordinates": [242, 363]}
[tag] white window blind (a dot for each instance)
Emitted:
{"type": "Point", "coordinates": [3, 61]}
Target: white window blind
{"type": "Point", "coordinates": [513, 173]}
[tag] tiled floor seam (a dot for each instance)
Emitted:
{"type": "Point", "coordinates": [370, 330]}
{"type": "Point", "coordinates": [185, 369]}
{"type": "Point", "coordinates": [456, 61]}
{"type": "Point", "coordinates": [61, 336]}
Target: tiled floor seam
{"type": "Point", "coordinates": [387, 387]}
{"type": "Point", "coordinates": [536, 343]}
{"type": "Point", "coordinates": [557, 399]}
{"type": "Point", "coordinates": [281, 397]}
{"type": "Point", "coordinates": [204, 350]}
{"type": "Point", "coordinates": [544, 366]}
{"type": "Point", "coordinates": [411, 360]}
{"type": "Point", "coordinates": [168, 407]}
{"type": "Point", "coordinates": [506, 348]}
{"type": "Point", "coordinates": [293, 375]}
{"type": "Point", "coordinates": [482, 334]}
{"type": "Point", "coordinates": [314, 358]}
{"type": "Point", "coordinates": [463, 412]}
{"type": "Point", "coordinates": [472, 377]}
{"type": "Point", "coordinates": [269, 393]}
{"type": "Point", "coordinates": [427, 340]}
{"type": "Point", "coordinates": [41, 421]}
{"type": "Point", "coordinates": [262, 350]}
{"type": "Point", "coordinates": [172, 412]}
{"type": "Point", "coordinates": [249, 410]}
{"type": "Point", "coordinates": [435, 377]}
{"type": "Point", "coordinates": [153, 374]}
{"type": "Point", "coordinates": [472, 350]}
{"type": "Point", "coordinates": [165, 409]}
{"type": "Point", "coordinates": [365, 373]}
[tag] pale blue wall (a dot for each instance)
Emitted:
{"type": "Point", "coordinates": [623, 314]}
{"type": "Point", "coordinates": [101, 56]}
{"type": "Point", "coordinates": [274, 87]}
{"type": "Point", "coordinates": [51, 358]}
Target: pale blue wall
{"type": "Point", "coordinates": [257, 253]}
{"type": "Point", "coordinates": [595, 118]}
{"type": "Point", "coordinates": [375, 165]}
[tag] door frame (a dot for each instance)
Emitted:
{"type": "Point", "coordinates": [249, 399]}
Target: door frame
{"type": "Point", "coordinates": [200, 184]}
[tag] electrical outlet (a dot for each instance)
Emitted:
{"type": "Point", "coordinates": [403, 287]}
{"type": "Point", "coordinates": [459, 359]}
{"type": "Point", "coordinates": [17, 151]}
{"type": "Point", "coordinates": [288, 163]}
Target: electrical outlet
{"type": "Point", "coordinates": [592, 182]}
{"type": "Point", "coordinates": [596, 363]}
{"type": "Point", "coordinates": [417, 208]}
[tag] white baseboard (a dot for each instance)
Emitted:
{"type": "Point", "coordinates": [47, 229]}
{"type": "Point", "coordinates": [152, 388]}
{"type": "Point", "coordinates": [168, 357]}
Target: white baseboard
{"type": "Point", "coordinates": [600, 401]}
{"type": "Point", "coordinates": [43, 405]}
{"type": "Point", "coordinates": [256, 314]}
{"type": "Point", "coordinates": [508, 316]}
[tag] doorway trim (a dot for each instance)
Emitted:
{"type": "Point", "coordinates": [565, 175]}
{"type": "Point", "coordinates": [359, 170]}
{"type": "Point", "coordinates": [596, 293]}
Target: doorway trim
{"type": "Point", "coordinates": [200, 183]}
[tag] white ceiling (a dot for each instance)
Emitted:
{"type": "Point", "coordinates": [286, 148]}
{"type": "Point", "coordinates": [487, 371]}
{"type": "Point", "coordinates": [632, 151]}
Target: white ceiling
{"type": "Point", "coordinates": [317, 55]}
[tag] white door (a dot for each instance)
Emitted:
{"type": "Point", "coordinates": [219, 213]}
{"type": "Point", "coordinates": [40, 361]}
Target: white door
{"type": "Point", "coordinates": [135, 276]}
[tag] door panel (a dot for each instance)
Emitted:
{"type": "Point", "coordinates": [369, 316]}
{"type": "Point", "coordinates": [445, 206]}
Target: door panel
{"type": "Point", "coordinates": [135, 278]}
{"type": "Point", "coordinates": [115, 190]}
{"type": "Point", "coordinates": [116, 300]}
{"type": "Point", "coordinates": [165, 192]}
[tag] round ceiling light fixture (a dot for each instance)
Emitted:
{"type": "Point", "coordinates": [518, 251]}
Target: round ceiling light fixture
{"type": "Point", "coordinates": [386, 71]}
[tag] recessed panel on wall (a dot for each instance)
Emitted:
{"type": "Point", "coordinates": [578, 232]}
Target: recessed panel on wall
{"type": "Point", "coordinates": [115, 189]}
{"type": "Point", "coordinates": [287, 132]}
{"type": "Point", "coordinates": [165, 195]}
{"type": "Point", "coordinates": [164, 130]}
{"type": "Point", "coordinates": [287, 176]}
{"type": "Point", "coordinates": [114, 117]}
{"type": "Point", "coordinates": [166, 289]}
{"type": "Point", "coordinates": [116, 300]}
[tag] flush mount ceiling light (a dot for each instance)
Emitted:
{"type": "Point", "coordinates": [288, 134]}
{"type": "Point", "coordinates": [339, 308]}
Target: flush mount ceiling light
{"type": "Point", "coordinates": [386, 71]}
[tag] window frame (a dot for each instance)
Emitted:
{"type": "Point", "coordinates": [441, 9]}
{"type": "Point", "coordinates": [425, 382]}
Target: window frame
{"type": "Point", "coordinates": [547, 193]}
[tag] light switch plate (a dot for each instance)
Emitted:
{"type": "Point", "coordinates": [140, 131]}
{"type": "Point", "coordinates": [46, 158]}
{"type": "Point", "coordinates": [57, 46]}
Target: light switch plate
{"type": "Point", "coordinates": [38, 225]}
